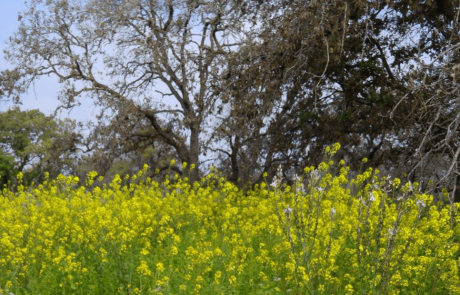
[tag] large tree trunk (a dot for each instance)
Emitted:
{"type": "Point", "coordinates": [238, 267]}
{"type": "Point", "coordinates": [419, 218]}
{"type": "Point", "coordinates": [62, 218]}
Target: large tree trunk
{"type": "Point", "coordinates": [194, 153]}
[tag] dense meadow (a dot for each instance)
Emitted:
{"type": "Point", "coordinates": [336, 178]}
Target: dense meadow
{"type": "Point", "coordinates": [328, 233]}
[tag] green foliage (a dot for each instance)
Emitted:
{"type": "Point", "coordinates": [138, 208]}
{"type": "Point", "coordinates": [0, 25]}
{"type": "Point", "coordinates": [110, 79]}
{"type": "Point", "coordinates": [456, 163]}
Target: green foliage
{"type": "Point", "coordinates": [379, 99]}
{"type": "Point", "coordinates": [370, 63]}
{"type": "Point", "coordinates": [343, 117]}
{"type": "Point", "coordinates": [304, 116]}
{"type": "Point", "coordinates": [6, 168]}
{"type": "Point", "coordinates": [30, 142]}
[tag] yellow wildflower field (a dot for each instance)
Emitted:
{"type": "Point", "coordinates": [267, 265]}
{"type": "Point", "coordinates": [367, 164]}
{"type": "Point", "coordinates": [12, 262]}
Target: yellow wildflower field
{"type": "Point", "coordinates": [326, 234]}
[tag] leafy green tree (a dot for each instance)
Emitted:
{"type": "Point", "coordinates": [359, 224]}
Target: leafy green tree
{"type": "Point", "coordinates": [33, 143]}
{"type": "Point", "coordinates": [6, 167]}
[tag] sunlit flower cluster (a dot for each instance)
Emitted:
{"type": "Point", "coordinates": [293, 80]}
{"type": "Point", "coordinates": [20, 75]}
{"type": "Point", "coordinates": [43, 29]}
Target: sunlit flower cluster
{"type": "Point", "coordinates": [327, 234]}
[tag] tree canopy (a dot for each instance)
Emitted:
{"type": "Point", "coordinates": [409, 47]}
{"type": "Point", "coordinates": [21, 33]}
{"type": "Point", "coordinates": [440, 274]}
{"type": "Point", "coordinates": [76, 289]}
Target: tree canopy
{"type": "Point", "coordinates": [35, 144]}
{"type": "Point", "coordinates": [249, 85]}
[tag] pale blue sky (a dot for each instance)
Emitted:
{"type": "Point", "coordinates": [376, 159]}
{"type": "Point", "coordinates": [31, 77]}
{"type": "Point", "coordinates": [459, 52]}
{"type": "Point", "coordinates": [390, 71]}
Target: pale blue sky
{"type": "Point", "coordinates": [43, 95]}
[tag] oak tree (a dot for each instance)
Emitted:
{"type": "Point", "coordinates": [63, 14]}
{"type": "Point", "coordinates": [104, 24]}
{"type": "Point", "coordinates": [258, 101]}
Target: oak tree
{"type": "Point", "coordinates": [377, 76]}
{"type": "Point", "coordinates": [152, 60]}
{"type": "Point", "coordinates": [254, 84]}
